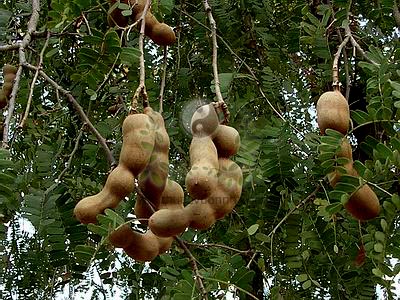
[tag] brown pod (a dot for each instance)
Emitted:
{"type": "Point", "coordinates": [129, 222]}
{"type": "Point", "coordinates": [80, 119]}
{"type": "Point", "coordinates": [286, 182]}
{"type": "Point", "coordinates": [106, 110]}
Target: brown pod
{"type": "Point", "coordinates": [137, 146]}
{"type": "Point", "coordinates": [363, 204]}
{"type": "Point", "coordinates": [144, 247]}
{"type": "Point", "coordinates": [138, 142]}
{"type": "Point", "coordinates": [10, 77]}
{"type": "Point", "coordinates": [142, 211]}
{"type": "Point", "coordinates": [227, 141]}
{"type": "Point", "coordinates": [3, 99]}
{"type": "Point", "coordinates": [119, 184]}
{"type": "Point", "coordinates": [151, 22]}
{"type": "Point", "coordinates": [153, 179]}
{"type": "Point", "coordinates": [230, 181]}
{"type": "Point", "coordinates": [333, 112]}
{"type": "Point", "coordinates": [9, 69]}
{"type": "Point", "coordinates": [345, 149]}
{"type": "Point", "coordinates": [140, 246]}
{"type": "Point", "coordinates": [121, 237]}
{"type": "Point", "coordinates": [204, 121]}
{"type": "Point", "coordinates": [202, 215]}
{"type": "Point", "coordinates": [162, 34]}
{"type": "Point", "coordinates": [7, 88]}
{"type": "Point", "coordinates": [335, 176]}
{"type": "Point", "coordinates": [201, 180]}
{"type": "Point", "coordinates": [170, 220]}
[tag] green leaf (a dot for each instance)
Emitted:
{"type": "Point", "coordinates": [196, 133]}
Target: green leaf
{"type": "Point", "coordinates": [130, 56]}
{"type": "Point", "coordinates": [306, 284]}
{"type": "Point", "coordinates": [378, 247]}
{"type": "Point", "coordinates": [252, 229]}
{"type": "Point", "coordinates": [301, 277]}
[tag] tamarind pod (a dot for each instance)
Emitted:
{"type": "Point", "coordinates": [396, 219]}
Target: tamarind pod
{"type": "Point", "coordinates": [204, 121]}
{"type": "Point", "coordinates": [227, 141]}
{"type": "Point", "coordinates": [3, 99]}
{"type": "Point", "coordinates": [201, 180]}
{"type": "Point", "coordinates": [7, 88]}
{"type": "Point", "coordinates": [202, 215]}
{"type": "Point", "coordinates": [363, 204]}
{"type": "Point", "coordinates": [119, 184]}
{"type": "Point", "coordinates": [142, 247]}
{"type": "Point", "coordinates": [161, 34]}
{"type": "Point", "coordinates": [121, 237]}
{"type": "Point", "coordinates": [170, 220]}
{"type": "Point", "coordinates": [153, 179]}
{"type": "Point", "coordinates": [229, 189]}
{"type": "Point", "coordinates": [138, 142]}
{"type": "Point", "coordinates": [173, 195]}
{"type": "Point", "coordinates": [345, 149]}
{"type": "Point", "coordinates": [333, 112]}
{"type": "Point", "coordinates": [9, 69]}
{"type": "Point", "coordinates": [335, 176]}
{"type": "Point", "coordinates": [142, 211]}
{"type": "Point", "coordinates": [10, 77]}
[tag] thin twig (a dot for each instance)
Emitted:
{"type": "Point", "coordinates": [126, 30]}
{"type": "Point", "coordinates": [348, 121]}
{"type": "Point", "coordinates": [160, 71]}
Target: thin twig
{"type": "Point", "coordinates": [396, 13]}
{"type": "Point", "coordinates": [197, 275]}
{"type": "Point", "coordinates": [71, 156]}
{"type": "Point", "coordinates": [35, 77]}
{"type": "Point", "coordinates": [11, 107]}
{"type": "Point", "coordinates": [163, 76]}
{"type": "Point", "coordinates": [335, 67]}
{"type": "Point", "coordinates": [141, 90]}
{"type": "Point", "coordinates": [87, 24]}
{"type": "Point", "coordinates": [108, 74]}
{"type": "Point", "coordinates": [358, 47]}
{"type": "Point", "coordinates": [301, 203]}
{"type": "Point", "coordinates": [20, 45]}
{"type": "Point", "coordinates": [242, 252]}
{"type": "Point", "coordinates": [79, 110]}
{"type": "Point", "coordinates": [220, 100]}
{"type": "Point", "coordinates": [346, 69]}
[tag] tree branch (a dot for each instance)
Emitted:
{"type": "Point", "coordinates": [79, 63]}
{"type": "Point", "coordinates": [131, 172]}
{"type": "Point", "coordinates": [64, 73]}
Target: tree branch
{"type": "Point", "coordinates": [335, 67]}
{"type": "Point", "coordinates": [242, 252]}
{"type": "Point", "coordinates": [220, 99]}
{"type": "Point", "coordinates": [141, 90]}
{"type": "Point", "coordinates": [35, 77]}
{"type": "Point", "coordinates": [79, 110]}
{"type": "Point", "coordinates": [163, 76]}
{"type": "Point", "coordinates": [300, 204]}
{"type": "Point", "coordinates": [21, 45]}
{"type": "Point", "coordinates": [396, 13]}
{"type": "Point", "coordinates": [11, 107]}
{"type": "Point", "coordinates": [197, 275]}
{"type": "Point", "coordinates": [346, 69]}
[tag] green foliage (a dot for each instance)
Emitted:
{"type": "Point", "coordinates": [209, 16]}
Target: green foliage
{"type": "Point", "coordinates": [290, 235]}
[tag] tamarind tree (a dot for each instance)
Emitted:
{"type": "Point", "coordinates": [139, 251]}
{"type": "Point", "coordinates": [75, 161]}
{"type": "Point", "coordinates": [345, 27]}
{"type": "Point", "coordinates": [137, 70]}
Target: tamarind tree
{"type": "Point", "coordinates": [266, 62]}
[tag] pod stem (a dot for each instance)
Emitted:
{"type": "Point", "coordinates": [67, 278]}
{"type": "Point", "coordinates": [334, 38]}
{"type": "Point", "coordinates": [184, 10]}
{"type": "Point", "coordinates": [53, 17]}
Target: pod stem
{"type": "Point", "coordinates": [141, 90]}
{"type": "Point", "coordinates": [213, 25]}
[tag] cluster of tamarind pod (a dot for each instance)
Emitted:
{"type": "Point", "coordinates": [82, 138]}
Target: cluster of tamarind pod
{"type": "Point", "coordinates": [159, 33]}
{"type": "Point", "coordinates": [333, 113]}
{"type": "Point", "coordinates": [9, 73]}
{"type": "Point", "coordinates": [214, 181]}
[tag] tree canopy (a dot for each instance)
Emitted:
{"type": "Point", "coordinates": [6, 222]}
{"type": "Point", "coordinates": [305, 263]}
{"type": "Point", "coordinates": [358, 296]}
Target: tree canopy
{"type": "Point", "coordinates": [290, 236]}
